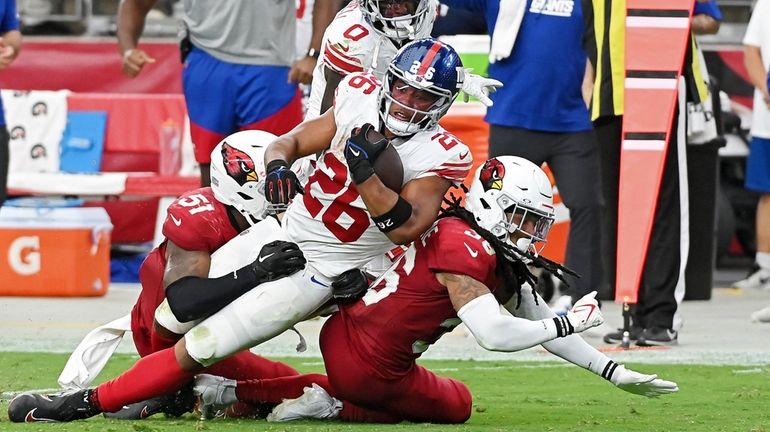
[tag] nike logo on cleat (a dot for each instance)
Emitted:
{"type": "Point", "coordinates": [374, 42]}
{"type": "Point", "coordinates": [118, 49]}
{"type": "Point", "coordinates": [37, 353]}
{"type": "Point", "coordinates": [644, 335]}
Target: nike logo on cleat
{"type": "Point", "coordinates": [30, 417]}
{"type": "Point", "coordinates": [145, 412]}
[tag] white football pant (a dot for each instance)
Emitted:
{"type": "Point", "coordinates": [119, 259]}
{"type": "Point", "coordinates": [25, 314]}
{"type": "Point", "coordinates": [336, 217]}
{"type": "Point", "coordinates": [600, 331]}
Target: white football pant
{"type": "Point", "coordinates": [262, 313]}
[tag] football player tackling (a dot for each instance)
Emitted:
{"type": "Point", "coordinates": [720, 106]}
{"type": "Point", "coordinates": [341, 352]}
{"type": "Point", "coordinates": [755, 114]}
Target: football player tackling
{"type": "Point", "coordinates": [468, 265]}
{"type": "Point", "coordinates": [345, 217]}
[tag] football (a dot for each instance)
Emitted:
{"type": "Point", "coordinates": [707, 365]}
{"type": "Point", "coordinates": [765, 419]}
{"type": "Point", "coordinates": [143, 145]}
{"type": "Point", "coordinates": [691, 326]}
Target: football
{"type": "Point", "coordinates": [388, 165]}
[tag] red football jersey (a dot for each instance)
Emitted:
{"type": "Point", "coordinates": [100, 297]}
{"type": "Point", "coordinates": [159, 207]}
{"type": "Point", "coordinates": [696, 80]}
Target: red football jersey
{"type": "Point", "coordinates": [196, 221]}
{"type": "Point", "coordinates": [395, 323]}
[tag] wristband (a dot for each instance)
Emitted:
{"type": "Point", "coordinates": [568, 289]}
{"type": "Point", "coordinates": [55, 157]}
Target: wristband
{"type": "Point", "coordinates": [312, 52]}
{"type": "Point", "coordinates": [395, 217]}
{"type": "Point", "coordinates": [276, 164]}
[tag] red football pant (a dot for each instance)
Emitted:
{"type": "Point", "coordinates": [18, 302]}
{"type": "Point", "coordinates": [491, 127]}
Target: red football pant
{"type": "Point", "coordinates": [418, 396]}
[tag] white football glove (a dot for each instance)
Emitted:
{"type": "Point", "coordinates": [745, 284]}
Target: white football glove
{"type": "Point", "coordinates": [214, 393]}
{"type": "Point", "coordinates": [645, 385]}
{"type": "Point", "coordinates": [585, 313]}
{"type": "Point", "coordinates": [479, 87]}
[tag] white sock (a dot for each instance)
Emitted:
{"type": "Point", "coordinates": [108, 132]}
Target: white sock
{"type": "Point", "coordinates": [763, 260]}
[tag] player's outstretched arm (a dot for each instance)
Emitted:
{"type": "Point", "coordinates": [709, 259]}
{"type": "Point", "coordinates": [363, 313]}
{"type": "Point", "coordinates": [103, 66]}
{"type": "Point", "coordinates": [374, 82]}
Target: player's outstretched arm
{"type": "Point", "coordinates": [479, 87]}
{"type": "Point", "coordinates": [637, 383]}
{"type": "Point", "coordinates": [493, 328]}
{"type": "Point", "coordinates": [578, 352]}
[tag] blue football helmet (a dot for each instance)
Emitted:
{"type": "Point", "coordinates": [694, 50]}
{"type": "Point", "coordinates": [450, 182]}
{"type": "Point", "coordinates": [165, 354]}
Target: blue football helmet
{"type": "Point", "coordinates": [424, 64]}
{"type": "Point", "coordinates": [397, 28]}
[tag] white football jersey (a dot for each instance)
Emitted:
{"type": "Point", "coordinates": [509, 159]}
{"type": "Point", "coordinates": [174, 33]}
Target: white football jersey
{"type": "Point", "coordinates": [350, 44]}
{"type": "Point", "coordinates": [330, 222]}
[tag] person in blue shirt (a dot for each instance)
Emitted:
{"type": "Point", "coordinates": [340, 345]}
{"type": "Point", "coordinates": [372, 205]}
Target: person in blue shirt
{"type": "Point", "coordinates": [540, 114]}
{"type": "Point", "coordinates": [10, 44]}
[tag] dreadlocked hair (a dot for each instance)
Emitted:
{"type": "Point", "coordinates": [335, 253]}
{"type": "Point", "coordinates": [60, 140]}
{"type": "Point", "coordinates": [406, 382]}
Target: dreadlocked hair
{"type": "Point", "coordinates": [511, 264]}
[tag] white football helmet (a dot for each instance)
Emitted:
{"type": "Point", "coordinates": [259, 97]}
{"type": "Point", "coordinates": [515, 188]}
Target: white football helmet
{"type": "Point", "coordinates": [238, 172]}
{"type": "Point", "coordinates": [506, 186]}
{"type": "Point", "coordinates": [397, 28]}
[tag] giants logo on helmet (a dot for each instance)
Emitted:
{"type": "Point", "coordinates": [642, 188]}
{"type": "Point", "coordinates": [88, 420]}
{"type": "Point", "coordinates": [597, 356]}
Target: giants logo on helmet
{"type": "Point", "coordinates": [492, 174]}
{"type": "Point", "coordinates": [238, 164]}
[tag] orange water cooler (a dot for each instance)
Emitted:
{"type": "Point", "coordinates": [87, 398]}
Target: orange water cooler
{"type": "Point", "coordinates": [56, 252]}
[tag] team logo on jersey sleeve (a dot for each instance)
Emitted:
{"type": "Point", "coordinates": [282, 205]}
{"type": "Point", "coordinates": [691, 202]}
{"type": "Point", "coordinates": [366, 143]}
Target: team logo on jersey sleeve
{"type": "Point", "coordinates": [238, 164]}
{"type": "Point", "coordinates": [492, 174]}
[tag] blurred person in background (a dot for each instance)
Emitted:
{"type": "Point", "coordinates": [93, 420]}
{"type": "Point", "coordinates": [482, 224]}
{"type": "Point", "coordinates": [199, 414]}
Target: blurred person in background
{"type": "Point", "coordinates": [239, 64]}
{"type": "Point", "coordinates": [540, 114]}
{"type": "Point", "coordinates": [757, 60]}
{"type": "Point", "coordinates": [655, 318]}
{"type": "Point", "coordinates": [10, 44]}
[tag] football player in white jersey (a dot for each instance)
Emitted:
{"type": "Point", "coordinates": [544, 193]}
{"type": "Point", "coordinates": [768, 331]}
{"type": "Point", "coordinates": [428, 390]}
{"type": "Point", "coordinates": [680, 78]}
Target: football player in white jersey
{"type": "Point", "coordinates": [345, 217]}
{"type": "Point", "coordinates": [365, 36]}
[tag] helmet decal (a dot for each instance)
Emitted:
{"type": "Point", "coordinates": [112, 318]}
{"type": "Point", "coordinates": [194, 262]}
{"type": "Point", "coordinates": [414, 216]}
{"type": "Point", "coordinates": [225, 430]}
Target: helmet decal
{"type": "Point", "coordinates": [492, 174]}
{"type": "Point", "coordinates": [238, 164]}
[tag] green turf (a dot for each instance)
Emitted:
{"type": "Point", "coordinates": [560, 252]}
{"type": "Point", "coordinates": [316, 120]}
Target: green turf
{"type": "Point", "coordinates": [508, 396]}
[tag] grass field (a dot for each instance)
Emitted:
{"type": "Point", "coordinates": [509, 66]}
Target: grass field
{"type": "Point", "coordinates": [508, 396]}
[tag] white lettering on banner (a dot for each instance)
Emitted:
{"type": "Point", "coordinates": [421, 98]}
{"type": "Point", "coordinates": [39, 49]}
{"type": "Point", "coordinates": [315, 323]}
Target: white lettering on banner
{"type": "Point", "coordinates": [561, 8]}
{"type": "Point", "coordinates": [25, 264]}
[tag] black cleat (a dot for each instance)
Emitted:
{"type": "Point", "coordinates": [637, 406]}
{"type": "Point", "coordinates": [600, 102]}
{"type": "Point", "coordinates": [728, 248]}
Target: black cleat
{"type": "Point", "coordinates": [65, 407]}
{"type": "Point", "coordinates": [657, 336]}
{"type": "Point", "coordinates": [172, 405]}
{"type": "Point", "coordinates": [616, 337]}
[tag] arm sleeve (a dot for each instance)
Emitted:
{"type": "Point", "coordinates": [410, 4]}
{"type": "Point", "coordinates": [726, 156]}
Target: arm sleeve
{"type": "Point", "coordinates": [497, 330]}
{"type": "Point", "coordinates": [191, 297]}
{"type": "Point", "coordinates": [571, 348]}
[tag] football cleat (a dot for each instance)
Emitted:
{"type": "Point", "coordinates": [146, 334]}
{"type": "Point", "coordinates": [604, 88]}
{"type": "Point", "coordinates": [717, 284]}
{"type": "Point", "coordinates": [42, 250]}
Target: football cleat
{"type": "Point", "coordinates": [65, 407]}
{"type": "Point", "coordinates": [172, 405]}
{"type": "Point", "coordinates": [214, 393]}
{"type": "Point", "coordinates": [314, 403]}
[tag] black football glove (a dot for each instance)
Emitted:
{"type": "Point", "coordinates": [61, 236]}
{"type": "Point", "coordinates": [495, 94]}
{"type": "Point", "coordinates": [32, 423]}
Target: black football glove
{"type": "Point", "coordinates": [281, 184]}
{"type": "Point", "coordinates": [277, 259]}
{"type": "Point", "coordinates": [361, 150]}
{"type": "Point", "coordinates": [350, 286]}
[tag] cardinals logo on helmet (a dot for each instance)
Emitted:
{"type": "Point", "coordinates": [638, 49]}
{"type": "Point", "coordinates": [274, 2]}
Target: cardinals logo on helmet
{"type": "Point", "coordinates": [238, 164]}
{"type": "Point", "coordinates": [492, 174]}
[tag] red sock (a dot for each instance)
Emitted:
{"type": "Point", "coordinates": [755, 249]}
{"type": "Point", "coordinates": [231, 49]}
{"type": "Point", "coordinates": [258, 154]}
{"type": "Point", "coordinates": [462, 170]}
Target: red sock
{"type": "Point", "coordinates": [274, 390]}
{"type": "Point", "coordinates": [154, 375]}
{"type": "Point", "coordinates": [246, 365]}
{"type": "Point", "coordinates": [160, 342]}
